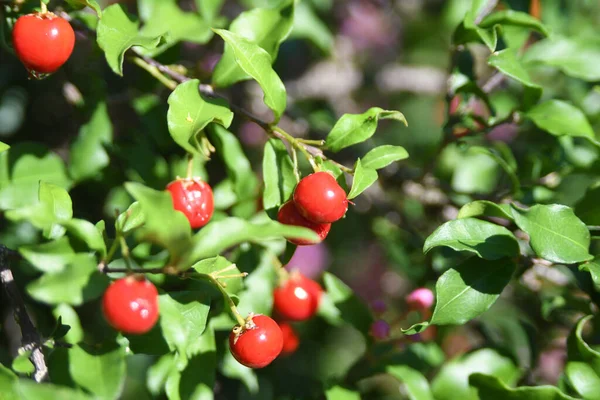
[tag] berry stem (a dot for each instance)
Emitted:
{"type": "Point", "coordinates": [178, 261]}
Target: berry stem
{"type": "Point", "coordinates": [240, 320]}
{"type": "Point", "coordinates": [43, 7]}
{"type": "Point", "coordinates": [152, 70]}
{"type": "Point", "coordinates": [282, 273]}
{"type": "Point", "coordinates": [298, 145]}
{"type": "Point", "coordinates": [311, 142]}
{"type": "Point", "coordinates": [125, 252]}
{"type": "Point", "coordinates": [190, 166]}
{"type": "Point", "coordinates": [295, 160]}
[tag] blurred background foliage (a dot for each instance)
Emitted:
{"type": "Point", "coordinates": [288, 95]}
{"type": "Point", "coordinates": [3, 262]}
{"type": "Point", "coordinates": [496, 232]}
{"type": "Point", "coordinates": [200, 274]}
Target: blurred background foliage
{"type": "Point", "coordinates": [344, 57]}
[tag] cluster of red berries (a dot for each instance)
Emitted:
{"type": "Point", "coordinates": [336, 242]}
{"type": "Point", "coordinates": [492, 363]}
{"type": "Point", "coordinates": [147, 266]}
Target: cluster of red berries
{"type": "Point", "coordinates": [318, 201]}
{"type": "Point", "coordinates": [261, 340]}
{"type": "Point", "coordinates": [43, 42]}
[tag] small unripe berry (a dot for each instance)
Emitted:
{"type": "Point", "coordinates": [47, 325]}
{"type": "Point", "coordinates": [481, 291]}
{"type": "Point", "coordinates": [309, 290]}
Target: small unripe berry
{"type": "Point", "coordinates": [380, 329]}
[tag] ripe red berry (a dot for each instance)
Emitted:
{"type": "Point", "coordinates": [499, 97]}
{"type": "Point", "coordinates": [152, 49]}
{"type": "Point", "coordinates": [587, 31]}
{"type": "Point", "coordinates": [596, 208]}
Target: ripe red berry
{"type": "Point", "coordinates": [291, 341]}
{"type": "Point", "coordinates": [130, 305]}
{"type": "Point", "coordinates": [289, 215]}
{"type": "Point", "coordinates": [257, 343]}
{"type": "Point", "coordinates": [194, 198]}
{"type": "Point", "coordinates": [43, 42]}
{"type": "Point", "coordinates": [319, 198]}
{"type": "Point", "coordinates": [297, 298]}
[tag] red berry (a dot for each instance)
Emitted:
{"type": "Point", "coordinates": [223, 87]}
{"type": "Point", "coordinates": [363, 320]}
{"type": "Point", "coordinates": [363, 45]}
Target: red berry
{"type": "Point", "coordinates": [319, 198]}
{"type": "Point", "coordinates": [194, 198]}
{"type": "Point", "coordinates": [291, 341]}
{"type": "Point", "coordinates": [130, 305]}
{"type": "Point", "coordinates": [43, 42]}
{"type": "Point", "coordinates": [297, 299]}
{"type": "Point", "coordinates": [257, 343]}
{"type": "Point", "coordinates": [289, 215]}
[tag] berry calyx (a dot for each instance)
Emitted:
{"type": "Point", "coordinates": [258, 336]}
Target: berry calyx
{"type": "Point", "coordinates": [288, 215]}
{"type": "Point", "coordinates": [130, 305]}
{"type": "Point", "coordinates": [297, 298]}
{"type": "Point", "coordinates": [257, 343]}
{"type": "Point", "coordinates": [319, 198]}
{"type": "Point", "coordinates": [420, 299]}
{"type": "Point", "coordinates": [291, 341]}
{"type": "Point", "coordinates": [194, 198]}
{"type": "Point", "coordinates": [43, 42]}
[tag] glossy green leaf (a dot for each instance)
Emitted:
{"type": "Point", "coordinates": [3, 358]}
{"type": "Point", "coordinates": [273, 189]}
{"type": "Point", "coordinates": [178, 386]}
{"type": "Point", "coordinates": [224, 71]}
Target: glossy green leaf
{"type": "Point", "coordinates": [234, 370]}
{"type": "Point", "coordinates": [560, 118]}
{"type": "Point", "coordinates": [593, 267]}
{"type": "Point", "coordinates": [100, 370]}
{"type": "Point", "coordinates": [3, 147]}
{"type": "Point", "coordinates": [470, 289]}
{"type": "Point", "coordinates": [256, 62]}
{"type": "Point", "coordinates": [209, 9]}
{"type": "Point", "coordinates": [88, 233]}
{"type": "Point", "coordinates": [363, 178]}
{"type": "Point", "coordinates": [88, 156]}
{"type": "Point", "coordinates": [131, 219]}
{"type": "Point", "coordinates": [22, 365]}
{"type": "Point", "coordinates": [215, 264]}
{"type": "Point", "coordinates": [278, 174]}
{"type": "Point", "coordinates": [578, 57]}
{"type": "Point", "coordinates": [198, 377]}
{"type": "Point", "coordinates": [416, 385]}
{"type": "Point", "coordinates": [189, 113]}
{"type": "Point", "coordinates": [485, 239]}
{"type": "Point", "coordinates": [218, 236]}
{"type": "Point", "coordinates": [579, 350]}
{"type": "Point", "coordinates": [29, 390]}
{"type": "Point", "coordinates": [93, 4]}
{"type": "Point", "coordinates": [469, 31]}
{"type": "Point", "coordinates": [489, 387]}
{"type": "Point", "coordinates": [506, 61]}
{"type": "Point", "coordinates": [8, 384]}
{"type": "Point", "coordinates": [183, 318]}
{"type": "Point", "coordinates": [555, 233]}
{"type": "Point", "coordinates": [308, 25]}
{"type": "Point", "coordinates": [165, 18]}
{"type": "Point", "coordinates": [49, 257]}
{"type": "Point", "coordinates": [514, 18]}
{"type": "Point", "coordinates": [351, 129]}
{"type": "Point", "coordinates": [69, 317]}
{"type": "Point", "coordinates": [584, 379]}
{"type": "Point", "coordinates": [382, 156]}
{"type": "Point", "coordinates": [452, 382]}
{"type": "Point", "coordinates": [485, 208]}
{"type": "Point", "coordinates": [162, 224]}
{"type": "Point", "coordinates": [341, 393]}
{"type": "Point", "coordinates": [265, 27]}
{"type": "Point", "coordinates": [238, 166]}
{"type": "Point", "coordinates": [351, 308]}
{"type": "Point", "coordinates": [116, 34]}
{"type": "Point", "coordinates": [80, 281]}
{"type": "Point", "coordinates": [261, 281]}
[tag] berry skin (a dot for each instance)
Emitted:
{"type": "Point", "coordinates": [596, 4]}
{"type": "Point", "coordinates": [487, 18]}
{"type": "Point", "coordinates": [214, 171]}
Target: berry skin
{"type": "Point", "coordinates": [297, 299]}
{"type": "Point", "coordinates": [420, 299]}
{"type": "Point", "coordinates": [319, 198]}
{"type": "Point", "coordinates": [288, 215]}
{"type": "Point", "coordinates": [194, 198]}
{"type": "Point", "coordinates": [257, 343]}
{"type": "Point", "coordinates": [130, 305]}
{"type": "Point", "coordinates": [291, 341]}
{"type": "Point", "coordinates": [43, 42]}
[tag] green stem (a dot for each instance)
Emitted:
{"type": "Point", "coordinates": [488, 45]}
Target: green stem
{"type": "Point", "coordinates": [190, 166]}
{"type": "Point", "coordinates": [152, 70]}
{"type": "Point", "coordinates": [295, 160]}
{"type": "Point", "coordinates": [125, 252]}
{"type": "Point", "coordinates": [240, 320]}
{"type": "Point", "coordinates": [296, 144]}
{"type": "Point", "coordinates": [43, 7]}
{"type": "Point", "coordinates": [311, 142]}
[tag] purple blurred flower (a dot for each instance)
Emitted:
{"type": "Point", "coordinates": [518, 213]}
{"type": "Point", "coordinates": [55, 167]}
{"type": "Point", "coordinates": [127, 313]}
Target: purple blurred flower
{"type": "Point", "coordinates": [378, 307]}
{"type": "Point", "coordinates": [380, 329]}
{"type": "Point", "coordinates": [252, 135]}
{"type": "Point", "coordinates": [310, 260]}
{"type": "Point", "coordinates": [504, 133]}
{"type": "Point", "coordinates": [369, 26]}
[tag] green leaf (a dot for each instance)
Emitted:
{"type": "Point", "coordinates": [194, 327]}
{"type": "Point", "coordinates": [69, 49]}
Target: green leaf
{"type": "Point", "coordinates": [234, 370]}
{"type": "Point", "coordinates": [87, 232]}
{"type": "Point", "coordinates": [560, 118]}
{"type": "Point", "coordinates": [131, 219]}
{"type": "Point", "coordinates": [278, 174]}
{"type": "Point", "coordinates": [587, 209]}
{"type": "Point", "coordinates": [189, 114]}
{"type": "Point", "coordinates": [93, 4]}
{"type": "Point", "coordinates": [49, 257]}
{"type": "Point", "coordinates": [116, 34]}
{"type": "Point", "coordinates": [584, 379]}
{"type": "Point", "coordinates": [165, 18]}
{"type": "Point", "coordinates": [215, 264]}
{"type": "Point", "coordinates": [579, 350]}
{"type": "Point", "coordinates": [485, 239]}
{"type": "Point", "coordinates": [363, 178]}
{"type": "Point", "coordinates": [452, 382]}
{"type": "Point", "coordinates": [469, 31]}
{"type": "Point", "coordinates": [183, 320]}
{"type": "Point", "coordinates": [198, 377]}
{"type": "Point", "coordinates": [506, 62]}
{"type": "Point", "coordinates": [80, 281]}
{"type": "Point", "coordinates": [555, 233]}
{"type": "Point", "coordinates": [239, 168]}
{"type": "Point", "coordinates": [514, 18]}
{"type": "Point", "coordinates": [470, 289]}
{"type": "Point", "coordinates": [218, 236]}
{"type": "Point", "coordinates": [382, 156]}
{"type": "Point", "coordinates": [100, 370]}
{"type": "Point", "coordinates": [265, 27]}
{"type": "Point", "coordinates": [593, 267]}
{"type": "Point", "coordinates": [256, 62]}
{"type": "Point", "coordinates": [209, 9]}
{"type": "Point", "coordinates": [485, 208]}
{"type": "Point", "coordinates": [578, 57]}
{"type": "Point", "coordinates": [308, 25]}
{"type": "Point", "coordinates": [351, 308]}
{"type": "Point", "coordinates": [489, 387]}
{"type": "Point", "coordinates": [30, 390]}
{"type": "Point", "coordinates": [8, 384]}
{"type": "Point", "coordinates": [417, 387]}
{"type": "Point", "coordinates": [3, 147]}
{"type": "Point", "coordinates": [341, 393]}
{"type": "Point", "coordinates": [356, 128]}
{"type": "Point", "coordinates": [163, 225]}
{"type": "Point", "coordinates": [88, 156]}
{"type": "Point", "coordinates": [22, 365]}
{"type": "Point", "coordinates": [33, 164]}
{"type": "Point", "coordinates": [68, 316]}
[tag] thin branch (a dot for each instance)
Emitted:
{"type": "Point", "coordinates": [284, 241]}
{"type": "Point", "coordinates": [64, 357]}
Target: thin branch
{"type": "Point", "coordinates": [30, 337]}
